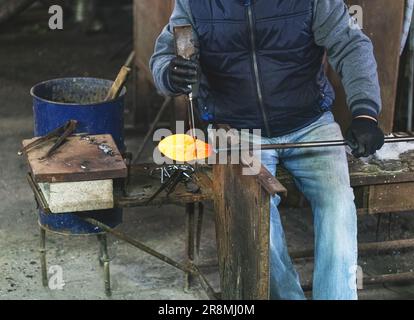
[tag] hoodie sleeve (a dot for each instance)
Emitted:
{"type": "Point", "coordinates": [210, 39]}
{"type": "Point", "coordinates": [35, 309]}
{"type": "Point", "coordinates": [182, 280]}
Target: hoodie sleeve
{"type": "Point", "coordinates": [164, 50]}
{"type": "Point", "coordinates": [351, 54]}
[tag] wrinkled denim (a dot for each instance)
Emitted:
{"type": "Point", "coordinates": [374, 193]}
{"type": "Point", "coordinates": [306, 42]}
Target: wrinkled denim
{"type": "Point", "coordinates": [322, 175]}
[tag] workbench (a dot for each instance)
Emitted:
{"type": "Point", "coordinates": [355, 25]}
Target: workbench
{"type": "Point", "coordinates": [242, 218]}
{"type": "Point", "coordinates": [243, 237]}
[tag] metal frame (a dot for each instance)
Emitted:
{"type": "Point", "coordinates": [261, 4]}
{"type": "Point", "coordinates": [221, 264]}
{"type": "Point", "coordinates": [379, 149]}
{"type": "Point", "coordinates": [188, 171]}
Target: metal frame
{"type": "Point", "coordinates": [191, 270]}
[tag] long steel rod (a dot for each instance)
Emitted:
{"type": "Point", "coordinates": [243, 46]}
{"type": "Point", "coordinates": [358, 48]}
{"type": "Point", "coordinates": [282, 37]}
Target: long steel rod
{"type": "Point", "coordinates": [190, 269]}
{"type": "Point", "coordinates": [380, 279]}
{"type": "Point", "coordinates": [302, 145]}
{"type": "Point", "coordinates": [104, 260]}
{"type": "Point", "coordinates": [213, 295]}
{"type": "Point", "coordinates": [364, 248]}
{"type": "Point", "coordinates": [151, 130]}
{"type": "Point", "coordinates": [138, 245]}
{"type": "Point", "coordinates": [190, 213]}
{"type": "Point", "coordinates": [42, 251]}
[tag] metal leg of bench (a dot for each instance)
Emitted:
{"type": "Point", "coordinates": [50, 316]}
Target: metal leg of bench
{"type": "Point", "coordinates": [42, 251]}
{"type": "Point", "coordinates": [200, 218]}
{"type": "Point", "coordinates": [104, 262]}
{"type": "Point", "coordinates": [190, 248]}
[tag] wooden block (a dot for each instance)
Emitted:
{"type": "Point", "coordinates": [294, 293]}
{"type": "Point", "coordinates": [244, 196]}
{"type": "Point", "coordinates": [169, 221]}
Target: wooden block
{"type": "Point", "coordinates": [78, 196]}
{"type": "Point", "coordinates": [242, 209]}
{"type": "Point", "coordinates": [77, 160]}
{"type": "Point", "coordinates": [386, 38]}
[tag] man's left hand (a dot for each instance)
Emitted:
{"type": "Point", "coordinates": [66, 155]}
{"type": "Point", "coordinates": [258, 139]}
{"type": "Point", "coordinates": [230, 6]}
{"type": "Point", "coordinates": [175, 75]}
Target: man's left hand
{"type": "Point", "coordinates": [364, 137]}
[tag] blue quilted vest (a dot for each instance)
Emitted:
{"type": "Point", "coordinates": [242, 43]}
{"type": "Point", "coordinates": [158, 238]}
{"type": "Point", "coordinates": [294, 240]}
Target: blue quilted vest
{"type": "Point", "coordinates": [263, 68]}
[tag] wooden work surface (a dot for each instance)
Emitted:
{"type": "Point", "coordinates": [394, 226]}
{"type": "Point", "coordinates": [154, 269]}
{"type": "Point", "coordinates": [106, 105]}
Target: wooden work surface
{"type": "Point", "coordinates": [242, 207]}
{"type": "Point", "coordinates": [143, 183]}
{"type": "Point", "coordinates": [373, 173]}
{"type": "Point", "coordinates": [76, 160]}
{"type": "Point", "coordinates": [382, 172]}
{"type": "Point", "coordinates": [379, 186]}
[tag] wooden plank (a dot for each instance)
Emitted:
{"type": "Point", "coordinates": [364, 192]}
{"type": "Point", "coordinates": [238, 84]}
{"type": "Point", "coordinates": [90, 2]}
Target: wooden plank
{"type": "Point", "coordinates": [377, 189]}
{"type": "Point", "coordinates": [383, 21]}
{"type": "Point", "coordinates": [270, 183]}
{"type": "Point", "coordinates": [150, 17]}
{"type": "Point", "coordinates": [76, 160]}
{"type": "Point", "coordinates": [264, 177]}
{"type": "Point", "coordinates": [390, 198]}
{"type": "Point", "coordinates": [242, 209]}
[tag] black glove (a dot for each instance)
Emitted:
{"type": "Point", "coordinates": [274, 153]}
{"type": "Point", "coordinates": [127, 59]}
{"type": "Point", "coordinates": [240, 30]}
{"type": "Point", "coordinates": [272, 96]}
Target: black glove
{"type": "Point", "coordinates": [182, 73]}
{"type": "Point", "coordinates": [364, 137]}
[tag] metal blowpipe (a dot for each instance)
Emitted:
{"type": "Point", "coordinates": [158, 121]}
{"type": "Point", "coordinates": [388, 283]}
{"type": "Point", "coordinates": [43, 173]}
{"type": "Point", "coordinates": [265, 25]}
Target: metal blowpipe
{"type": "Point", "coordinates": [303, 145]}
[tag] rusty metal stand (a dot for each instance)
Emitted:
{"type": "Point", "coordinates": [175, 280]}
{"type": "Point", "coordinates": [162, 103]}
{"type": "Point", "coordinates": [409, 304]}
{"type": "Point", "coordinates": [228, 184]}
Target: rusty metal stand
{"type": "Point", "coordinates": [190, 214]}
{"type": "Point", "coordinates": [104, 261]}
{"type": "Point", "coordinates": [200, 218]}
{"type": "Point", "coordinates": [189, 267]}
{"type": "Point", "coordinates": [42, 251]}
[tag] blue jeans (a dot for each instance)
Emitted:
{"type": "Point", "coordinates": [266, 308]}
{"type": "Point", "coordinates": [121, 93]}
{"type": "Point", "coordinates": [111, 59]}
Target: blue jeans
{"type": "Point", "coordinates": [322, 175]}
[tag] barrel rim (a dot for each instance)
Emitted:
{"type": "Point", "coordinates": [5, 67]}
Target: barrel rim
{"type": "Point", "coordinates": [121, 96]}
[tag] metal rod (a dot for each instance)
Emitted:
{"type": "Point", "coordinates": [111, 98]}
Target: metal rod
{"type": "Point", "coordinates": [42, 251]}
{"type": "Point", "coordinates": [191, 115]}
{"type": "Point", "coordinates": [190, 213]}
{"type": "Point", "coordinates": [69, 129]}
{"type": "Point", "coordinates": [390, 278]}
{"type": "Point", "coordinates": [38, 194]}
{"type": "Point", "coordinates": [105, 263]}
{"type": "Point", "coordinates": [130, 59]}
{"type": "Point", "coordinates": [364, 248]}
{"type": "Point", "coordinates": [200, 217]}
{"type": "Point", "coordinates": [302, 145]}
{"type": "Point", "coordinates": [380, 279]}
{"type": "Point", "coordinates": [138, 245]}
{"type": "Point", "coordinates": [190, 270]}
{"type": "Point", "coordinates": [160, 113]}
{"type": "Point", "coordinates": [206, 285]}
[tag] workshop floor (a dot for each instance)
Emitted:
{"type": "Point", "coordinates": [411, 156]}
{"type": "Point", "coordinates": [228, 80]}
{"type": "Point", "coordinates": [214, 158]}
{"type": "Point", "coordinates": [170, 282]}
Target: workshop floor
{"type": "Point", "coordinates": [34, 54]}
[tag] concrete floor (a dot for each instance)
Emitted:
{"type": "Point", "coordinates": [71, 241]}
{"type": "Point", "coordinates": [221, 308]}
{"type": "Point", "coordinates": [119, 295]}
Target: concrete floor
{"type": "Point", "coordinates": [33, 54]}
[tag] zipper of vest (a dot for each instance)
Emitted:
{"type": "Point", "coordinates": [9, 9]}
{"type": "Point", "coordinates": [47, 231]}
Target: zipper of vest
{"type": "Point", "coordinates": [256, 67]}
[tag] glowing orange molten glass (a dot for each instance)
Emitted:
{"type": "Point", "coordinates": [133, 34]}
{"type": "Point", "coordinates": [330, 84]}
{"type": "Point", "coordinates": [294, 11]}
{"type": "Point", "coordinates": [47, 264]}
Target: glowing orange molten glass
{"type": "Point", "coordinates": [184, 148]}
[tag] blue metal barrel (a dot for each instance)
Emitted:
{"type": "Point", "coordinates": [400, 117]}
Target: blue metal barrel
{"type": "Point", "coordinates": [82, 99]}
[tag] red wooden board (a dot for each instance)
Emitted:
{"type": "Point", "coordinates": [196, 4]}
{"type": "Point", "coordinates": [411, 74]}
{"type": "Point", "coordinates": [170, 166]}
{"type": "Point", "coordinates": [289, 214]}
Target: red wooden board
{"type": "Point", "coordinates": [78, 159]}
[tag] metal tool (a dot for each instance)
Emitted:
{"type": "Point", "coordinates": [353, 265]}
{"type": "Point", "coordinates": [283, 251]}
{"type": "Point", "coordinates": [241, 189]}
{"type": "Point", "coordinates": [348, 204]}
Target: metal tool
{"type": "Point", "coordinates": [303, 145]}
{"type": "Point", "coordinates": [171, 176]}
{"type": "Point", "coordinates": [148, 136]}
{"type": "Point", "coordinates": [61, 133]}
{"type": "Point", "coordinates": [184, 45]}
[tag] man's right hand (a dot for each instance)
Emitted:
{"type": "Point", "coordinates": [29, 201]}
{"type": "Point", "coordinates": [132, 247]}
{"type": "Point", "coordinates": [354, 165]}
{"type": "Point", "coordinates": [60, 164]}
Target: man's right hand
{"type": "Point", "coordinates": [182, 73]}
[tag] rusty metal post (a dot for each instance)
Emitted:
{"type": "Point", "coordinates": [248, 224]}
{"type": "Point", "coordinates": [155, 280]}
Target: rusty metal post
{"type": "Point", "coordinates": [42, 251]}
{"type": "Point", "coordinates": [190, 215]}
{"type": "Point", "coordinates": [200, 218]}
{"type": "Point", "coordinates": [104, 262]}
